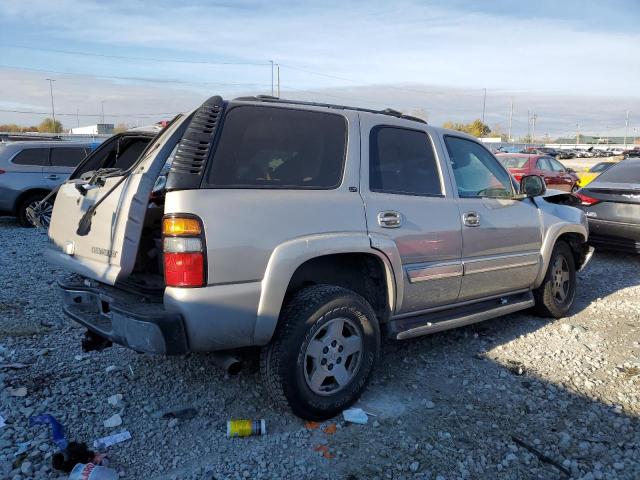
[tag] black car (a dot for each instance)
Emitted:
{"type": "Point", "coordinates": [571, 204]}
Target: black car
{"type": "Point", "coordinates": [612, 205]}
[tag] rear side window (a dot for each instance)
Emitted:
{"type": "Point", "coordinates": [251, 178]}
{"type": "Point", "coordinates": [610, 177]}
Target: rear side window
{"type": "Point", "coordinates": [266, 147]}
{"type": "Point", "coordinates": [68, 156]}
{"type": "Point", "coordinates": [32, 156]}
{"type": "Point", "coordinates": [402, 162]}
{"type": "Point", "coordinates": [624, 172]}
{"type": "Point", "coordinates": [543, 164]}
{"type": "Point", "coordinates": [512, 162]}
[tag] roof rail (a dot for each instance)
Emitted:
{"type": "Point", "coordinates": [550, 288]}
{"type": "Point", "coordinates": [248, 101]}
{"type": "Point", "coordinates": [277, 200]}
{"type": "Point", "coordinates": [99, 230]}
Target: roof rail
{"type": "Point", "coordinates": [271, 99]}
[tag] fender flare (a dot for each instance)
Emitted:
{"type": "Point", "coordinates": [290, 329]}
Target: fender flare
{"type": "Point", "coordinates": [554, 232]}
{"type": "Point", "coordinates": [285, 260]}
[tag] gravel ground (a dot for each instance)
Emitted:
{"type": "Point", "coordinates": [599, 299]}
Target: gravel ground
{"type": "Point", "coordinates": [447, 406]}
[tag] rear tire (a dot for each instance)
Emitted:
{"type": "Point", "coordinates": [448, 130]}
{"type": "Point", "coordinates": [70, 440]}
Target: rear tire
{"type": "Point", "coordinates": [21, 212]}
{"type": "Point", "coordinates": [555, 296]}
{"type": "Point", "coordinates": [323, 352]}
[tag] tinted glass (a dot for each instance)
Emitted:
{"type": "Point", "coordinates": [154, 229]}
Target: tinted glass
{"type": "Point", "coordinates": [266, 147]}
{"type": "Point", "coordinates": [512, 162]}
{"type": "Point", "coordinates": [402, 161]}
{"type": "Point", "coordinates": [32, 156]}
{"type": "Point", "coordinates": [624, 172]}
{"type": "Point", "coordinates": [68, 156]}
{"type": "Point", "coordinates": [543, 164]}
{"type": "Point", "coordinates": [477, 172]}
{"type": "Point", "coordinates": [600, 167]}
{"type": "Point", "coordinates": [114, 153]}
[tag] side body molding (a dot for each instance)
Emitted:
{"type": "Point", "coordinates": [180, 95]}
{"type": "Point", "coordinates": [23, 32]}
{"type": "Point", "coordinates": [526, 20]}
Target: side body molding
{"type": "Point", "coordinates": [287, 257]}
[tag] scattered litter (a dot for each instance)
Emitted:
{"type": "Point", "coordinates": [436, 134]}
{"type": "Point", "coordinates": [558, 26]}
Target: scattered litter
{"type": "Point", "coordinates": [90, 471]}
{"type": "Point", "coordinates": [311, 425]}
{"type": "Point", "coordinates": [113, 421]}
{"type": "Point", "coordinates": [330, 429]}
{"type": "Point", "coordinates": [516, 368]}
{"type": "Point", "coordinates": [325, 451]}
{"type": "Point", "coordinates": [22, 448]}
{"type": "Point", "coordinates": [541, 456]}
{"type": "Point", "coordinates": [115, 400]}
{"type": "Point", "coordinates": [75, 453]}
{"type": "Point", "coordinates": [57, 430]}
{"type": "Point", "coordinates": [355, 415]}
{"type": "Point", "coordinates": [2, 421]}
{"type": "Point", "coordinates": [17, 392]}
{"type": "Point", "coordinates": [105, 442]}
{"type": "Point", "coordinates": [246, 428]}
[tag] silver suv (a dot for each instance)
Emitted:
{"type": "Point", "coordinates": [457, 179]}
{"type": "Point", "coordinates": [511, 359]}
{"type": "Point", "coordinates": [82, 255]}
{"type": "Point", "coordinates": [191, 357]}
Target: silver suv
{"type": "Point", "coordinates": [29, 170]}
{"type": "Point", "coordinates": [313, 231]}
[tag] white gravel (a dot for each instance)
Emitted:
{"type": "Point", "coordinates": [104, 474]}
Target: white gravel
{"type": "Point", "coordinates": [447, 406]}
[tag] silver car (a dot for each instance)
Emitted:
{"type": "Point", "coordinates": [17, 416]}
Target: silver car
{"type": "Point", "coordinates": [311, 231]}
{"type": "Point", "coordinates": [29, 170]}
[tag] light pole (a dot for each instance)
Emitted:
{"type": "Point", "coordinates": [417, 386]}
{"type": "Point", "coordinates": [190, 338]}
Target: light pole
{"type": "Point", "coordinates": [626, 129]}
{"type": "Point", "coordinates": [53, 110]}
{"type": "Point", "coordinates": [102, 110]}
{"type": "Point", "coordinates": [510, 121]}
{"type": "Point", "coordinates": [484, 102]}
{"type": "Point", "coordinates": [271, 62]}
{"type": "Point", "coordinates": [278, 79]}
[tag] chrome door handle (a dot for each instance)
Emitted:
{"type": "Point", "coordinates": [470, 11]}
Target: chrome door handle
{"type": "Point", "coordinates": [52, 177]}
{"type": "Point", "coordinates": [389, 219]}
{"type": "Point", "coordinates": [471, 219]}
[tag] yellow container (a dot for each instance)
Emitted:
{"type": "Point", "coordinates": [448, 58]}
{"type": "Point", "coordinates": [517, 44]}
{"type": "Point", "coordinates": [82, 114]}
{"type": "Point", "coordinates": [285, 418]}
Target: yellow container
{"type": "Point", "coordinates": [246, 428]}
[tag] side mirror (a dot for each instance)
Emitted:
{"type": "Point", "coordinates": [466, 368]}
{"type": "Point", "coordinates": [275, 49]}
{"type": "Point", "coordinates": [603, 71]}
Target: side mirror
{"type": "Point", "coordinates": [532, 186]}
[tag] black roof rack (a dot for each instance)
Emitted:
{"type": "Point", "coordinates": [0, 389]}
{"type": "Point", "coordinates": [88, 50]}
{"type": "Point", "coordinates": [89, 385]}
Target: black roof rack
{"type": "Point", "coordinates": [271, 99]}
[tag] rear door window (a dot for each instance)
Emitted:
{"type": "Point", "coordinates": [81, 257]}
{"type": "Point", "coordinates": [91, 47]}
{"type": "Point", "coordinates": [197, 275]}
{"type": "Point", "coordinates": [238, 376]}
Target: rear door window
{"type": "Point", "coordinates": [268, 147]}
{"type": "Point", "coordinates": [36, 157]}
{"type": "Point", "coordinates": [68, 156]}
{"type": "Point", "coordinates": [543, 164]}
{"type": "Point", "coordinates": [556, 166]}
{"type": "Point", "coordinates": [402, 161]}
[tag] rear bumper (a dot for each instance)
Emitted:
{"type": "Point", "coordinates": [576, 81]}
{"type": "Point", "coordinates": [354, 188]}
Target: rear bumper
{"type": "Point", "coordinates": [614, 235]}
{"type": "Point", "coordinates": [136, 322]}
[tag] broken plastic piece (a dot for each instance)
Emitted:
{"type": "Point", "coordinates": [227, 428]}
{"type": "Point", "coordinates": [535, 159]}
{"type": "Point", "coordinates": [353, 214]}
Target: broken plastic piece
{"type": "Point", "coordinates": [90, 471]}
{"type": "Point", "coordinates": [106, 442]}
{"type": "Point", "coordinates": [57, 431]}
{"type": "Point", "coordinates": [356, 415]}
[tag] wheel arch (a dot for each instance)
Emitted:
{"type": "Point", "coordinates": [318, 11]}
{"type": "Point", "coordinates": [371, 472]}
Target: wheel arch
{"type": "Point", "coordinates": [21, 198]}
{"type": "Point", "coordinates": [575, 235]}
{"type": "Point", "coordinates": [345, 260]}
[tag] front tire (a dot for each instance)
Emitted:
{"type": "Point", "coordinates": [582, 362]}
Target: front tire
{"type": "Point", "coordinates": [555, 296]}
{"type": "Point", "coordinates": [323, 352]}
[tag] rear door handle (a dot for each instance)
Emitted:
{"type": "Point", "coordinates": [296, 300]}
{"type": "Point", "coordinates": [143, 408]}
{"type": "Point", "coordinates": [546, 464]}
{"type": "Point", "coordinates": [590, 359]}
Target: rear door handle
{"type": "Point", "coordinates": [389, 219]}
{"type": "Point", "coordinates": [52, 177]}
{"type": "Point", "coordinates": [471, 219]}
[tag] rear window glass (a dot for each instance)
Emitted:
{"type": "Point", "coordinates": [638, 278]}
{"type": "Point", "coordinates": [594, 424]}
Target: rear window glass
{"type": "Point", "coordinates": [32, 156]}
{"type": "Point", "coordinates": [119, 153]}
{"type": "Point", "coordinates": [68, 156]}
{"type": "Point", "coordinates": [402, 162]}
{"type": "Point", "coordinates": [623, 172]}
{"type": "Point", "coordinates": [512, 162]}
{"type": "Point", "coordinates": [266, 147]}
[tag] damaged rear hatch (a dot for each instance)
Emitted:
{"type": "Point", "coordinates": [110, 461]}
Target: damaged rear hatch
{"type": "Point", "coordinates": [98, 216]}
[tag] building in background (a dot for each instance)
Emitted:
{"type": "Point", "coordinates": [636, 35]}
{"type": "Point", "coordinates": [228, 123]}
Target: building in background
{"type": "Point", "coordinates": [98, 129]}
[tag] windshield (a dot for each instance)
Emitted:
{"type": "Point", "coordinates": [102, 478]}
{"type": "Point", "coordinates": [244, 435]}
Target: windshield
{"type": "Point", "coordinates": [624, 172]}
{"type": "Point", "coordinates": [512, 162]}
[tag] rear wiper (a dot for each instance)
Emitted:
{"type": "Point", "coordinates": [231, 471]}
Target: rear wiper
{"type": "Point", "coordinates": [84, 226]}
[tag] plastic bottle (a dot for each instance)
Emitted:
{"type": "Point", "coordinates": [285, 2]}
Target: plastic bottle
{"type": "Point", "coordinates": [89, 471]}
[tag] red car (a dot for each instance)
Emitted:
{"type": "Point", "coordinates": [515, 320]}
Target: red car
{"type": "Point", "coordinates": [556, 175]}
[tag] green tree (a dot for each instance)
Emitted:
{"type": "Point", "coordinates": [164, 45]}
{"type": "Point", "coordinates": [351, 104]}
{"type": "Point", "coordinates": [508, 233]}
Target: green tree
{"type": "Point", "coordinates": [49, 126]}
{"type": "Point", "coordinates": [475, 128]}
{"type": "Point", "coordinates": [13, 128]}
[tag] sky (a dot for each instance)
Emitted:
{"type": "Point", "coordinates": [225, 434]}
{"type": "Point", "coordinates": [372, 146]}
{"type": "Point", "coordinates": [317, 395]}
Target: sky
{"type": "Point", "coordinates": [571, 62]}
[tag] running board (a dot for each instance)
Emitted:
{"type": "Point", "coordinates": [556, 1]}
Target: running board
{"type": "Point", "coordinates": [404, 328]}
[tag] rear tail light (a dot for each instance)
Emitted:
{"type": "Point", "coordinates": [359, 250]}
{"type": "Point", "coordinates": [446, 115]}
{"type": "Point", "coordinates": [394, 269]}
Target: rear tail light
{"type": "Point", "coordinates": [586, 200]}
{"type": "Point", "coordinates": [518, 176]}
{"type": "Point", "coordinates": [183, 251]}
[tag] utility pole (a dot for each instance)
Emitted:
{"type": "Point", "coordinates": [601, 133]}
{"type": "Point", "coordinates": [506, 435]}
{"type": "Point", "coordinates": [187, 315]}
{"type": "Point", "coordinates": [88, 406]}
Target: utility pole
{"type": "Point", "coordinates": [528, 127]}
{"type": "Point", "coordinates": [271, 62]}
{"type": "Point", "coordinates": [78, 117]}
{"type": "Point", "coordinates": [577, 134]}
{"type": "Point", "coordinates": [484, 103]}
{"type": "Point", "coordinates": [102, 110]}
{"type": "Point", "coordinates": [533, 132]}
{"type": "Point", "coordinates": [53, 110]}
{"type": "Point", "coordinates": [626, 130]}
{"type": "Point", "coordinates": [510, 121]}
{"type": "Point", "coordinates": [278, 79]}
